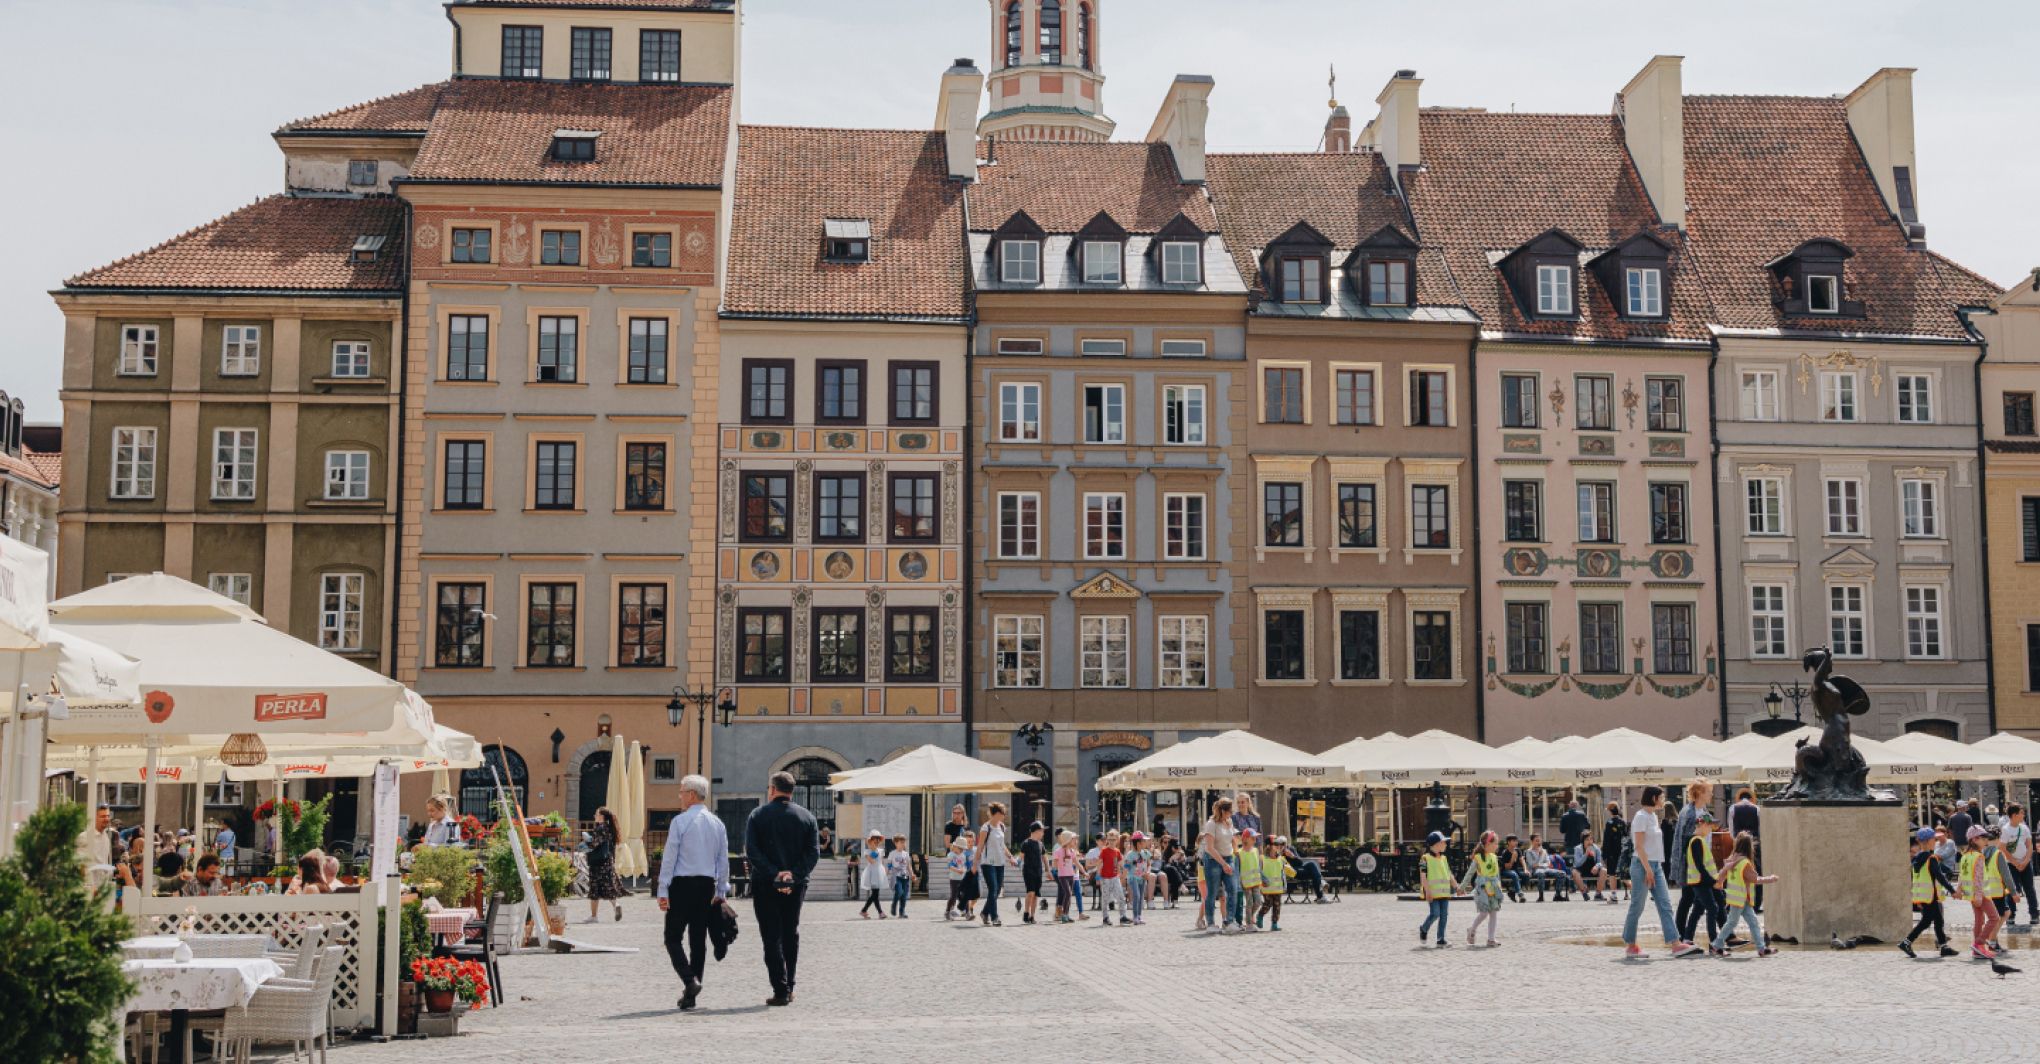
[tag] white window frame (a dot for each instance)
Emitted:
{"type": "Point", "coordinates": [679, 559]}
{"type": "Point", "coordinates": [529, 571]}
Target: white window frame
{"type": "Point", "coordinates": [1176, 518]}
{"type": "Point", "coordinates": [1840, 611]}
{"type": "Point", "coordinates": [342, 599]}
{"type": "Point", "coordinates": [347, 475]}
{"type": "Point", "coordinates": [350, 354]}
{"type": "Point", "coordinates": [1182, 262]}
{"type": "Point", "coordinates": [140, 348]}
{"type": "Point", "coordinates": [1586, 505]}
{"type": "Point", "coordinates": [1183, 415]}
{"type": "Point", "coordinates": [240, 350]}
{"type": "Point", "coordinates": [1190, 657]}
{"type": "Point", "coordinates": [1769, 520]}
{"type": "Point", "coordinates": [1554, 289]}
{"type": "Point", "coordinates": [237, 586]}
{"type": "Point", "coordinates": [1110, 430]}
{"type": "Point", "coordinates": [1844, 507]}
{"type": "Point", "coordinates": [1815, 282]}
{"type": "Point", "coordinates": [1105, 651]}
{"type": "Point", "coordinates": [236, 454]}
{"type": "Point", "coordinates": [134, 462]}
{"type": "Point", "coordinates": [1018, 635]}
{"type": "Point", "coordinates": [1024, 398]}
{"type": "Point", "coordinates": [1020, 261]}
{"type": "Point", "coordinates": [1758, 395]}
{"type": "Point", "coordinates": [1839, 395]}
{"type": "Point", "coordinates": [1645, 288]}
{"type": "Point", "coordinates": [1919, 508]}
{"type": "Point", "coordinates": [1926, 637]}
{"type": "Point", "coordinates": [1770, 621]}
{"type": "Point", "coordinates": [1183, 347]}
{"type": "Point", "coordinates": [1102, 347]}
{"type": "Point", "coordinates": [1026, 526]}
{"type": "Point", "coordinates": [1104, 262]}
{"type": "Point", "coordinates": [1111, 507]}
{"type": "Point", "coordinates": [1915, 394]}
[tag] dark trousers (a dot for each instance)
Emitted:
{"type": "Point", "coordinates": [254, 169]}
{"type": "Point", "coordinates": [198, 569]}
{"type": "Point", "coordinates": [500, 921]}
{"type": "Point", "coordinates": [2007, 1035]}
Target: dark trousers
{"type": "Point", "coordinates": [1930, 916]}
{"type": "Point", "coordinates": [2023, 879]}
{"type": "Point", "coordinates": [1697, 900]}
{"type": "Point", "coordinates": [871, 902]}
{"type": "Point", "coordinates": [778, 917]}
{"type": "Point", "coordinates": [688, 902]}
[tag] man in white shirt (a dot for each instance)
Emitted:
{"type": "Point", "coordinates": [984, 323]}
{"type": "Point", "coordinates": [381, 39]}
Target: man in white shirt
{"type": "Point", "coordinates": [694, 878]}
{"type": "Point", "coordinates": [1647, 877]}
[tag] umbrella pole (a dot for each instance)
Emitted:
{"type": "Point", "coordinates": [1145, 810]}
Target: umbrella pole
{"type": "Point", "coordinates": [148, 869]}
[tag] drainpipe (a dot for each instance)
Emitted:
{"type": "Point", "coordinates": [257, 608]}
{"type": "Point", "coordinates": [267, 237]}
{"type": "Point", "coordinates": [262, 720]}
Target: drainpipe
{"type": "Point", "coordinates": [457, 68]}
{"type": "Point", "coordinates": [1983, 525]}
{"type": "Point", "coordinates": [1479, 556]}
{"type": "Point", "coordinates": [1714, 485]}
{"type": "Point", "coordinates": [400, 371]}
{"type": "Point", "coordinates": [970, 625]}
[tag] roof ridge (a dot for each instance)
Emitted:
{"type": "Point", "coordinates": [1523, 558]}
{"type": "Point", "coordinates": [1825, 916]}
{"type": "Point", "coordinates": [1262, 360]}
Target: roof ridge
{"type": "Point", "coordinates": [1369, 152]}
{"type": "Point", "coordinates": [1801, 97]}
{"type": "Point", "coordinates": [167, 241]}
{"type": "Point", "coordinates": [741, 126]}
{"type": "Point", "coordinates": [336, 112]}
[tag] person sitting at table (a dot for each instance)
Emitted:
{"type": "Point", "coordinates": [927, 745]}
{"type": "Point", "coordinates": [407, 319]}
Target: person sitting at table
{"type": "Point", "coordinates": [330, 865]}
{"type": "Point", "coordinates": [442, 828]}
{"type": "Point", "coordinates": [205, 881]}
{"type": "Point", "coordinates": [169, 874]}
{"type": "Point", "coordinates": [311, 877]}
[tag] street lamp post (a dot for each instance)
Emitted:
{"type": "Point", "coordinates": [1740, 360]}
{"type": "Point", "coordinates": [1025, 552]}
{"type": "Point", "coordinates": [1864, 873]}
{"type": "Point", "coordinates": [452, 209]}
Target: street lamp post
{"type": "Point", "coordinates": [1774, 708]}
{"type": "Point", "coordinates": [699, 698]}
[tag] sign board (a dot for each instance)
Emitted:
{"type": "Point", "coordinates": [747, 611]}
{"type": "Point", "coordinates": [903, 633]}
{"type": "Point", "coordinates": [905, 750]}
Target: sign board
{"type": "Point", "coordinates": [1311, 807]}
{"type": "Point", "coordinates": [892, 814]}
{"type": "Point", "coordinates": [388, 829]}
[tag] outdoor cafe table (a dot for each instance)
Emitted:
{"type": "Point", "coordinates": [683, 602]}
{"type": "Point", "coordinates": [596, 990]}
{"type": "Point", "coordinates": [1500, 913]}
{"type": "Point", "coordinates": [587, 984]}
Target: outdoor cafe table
{"type": "Point", "coordinates": [164, 947]}
{"type": "Point", "coordinates": [449, 924]}
{"type": "Point", "coordinates": [206, 985]}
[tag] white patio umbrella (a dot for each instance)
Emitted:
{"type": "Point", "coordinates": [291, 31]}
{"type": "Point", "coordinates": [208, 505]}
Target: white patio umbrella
{"type": "Point", "coordinates": [614, 795]}
{"type": "Point", "coordinates": [1941, 759]}
{"type": "Point", "coordinates": [931, 769]}
{"type": "Point", "coordinates": [1233, 759]}
{"type": "Point", "coordinates": [1622, 756]}
{"type": "Point", "coordinates": [1429, 757]}
{"type": "Point", "coordinates": [2008, 757]}
{"type": "Point", "coordinates": [1775, 759]}
{"type": "Point", "coordinates": [634, 803]}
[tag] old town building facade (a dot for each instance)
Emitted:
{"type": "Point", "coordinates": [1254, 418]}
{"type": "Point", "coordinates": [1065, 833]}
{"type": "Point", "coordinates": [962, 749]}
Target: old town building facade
{"type": "Point", "coordinates": [2010, 379]}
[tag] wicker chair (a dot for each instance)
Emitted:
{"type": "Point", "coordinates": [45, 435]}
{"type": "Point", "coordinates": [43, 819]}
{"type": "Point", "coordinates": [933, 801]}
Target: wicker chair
{"type": "Point", "coordinates": [287, 1013]}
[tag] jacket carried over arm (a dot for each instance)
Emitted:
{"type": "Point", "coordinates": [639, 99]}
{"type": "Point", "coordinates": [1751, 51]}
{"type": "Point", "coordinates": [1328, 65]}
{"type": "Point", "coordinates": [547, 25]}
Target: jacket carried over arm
{"type": "Point", "coordinates": [780, 837]}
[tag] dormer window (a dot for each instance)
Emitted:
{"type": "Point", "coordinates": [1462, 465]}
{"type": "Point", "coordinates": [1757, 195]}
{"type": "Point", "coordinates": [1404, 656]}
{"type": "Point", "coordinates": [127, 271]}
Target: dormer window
{"type": "Point", "coordinates": [1812, 279]}
{"type": "Point", "coordinates": [1554, 290]}
{"type": "Point", "coordinates": [847, 239]}
{"type": "Point", "coordinates": [1016, 249]}
{"type": "Point", "coordinates": [1634, 274]}
{"type": "Point", "coordinates": [1303, 280]}
{"type": "Point", "coordinates": [1295, 264]}
{"type": "Point", "coordinates": [1178, 252]}
{"type": "Point", "coordinates": [362, 173]}
{"type": "Point", "coordinates": [1542, 275]}
{"type": "Point", "coordinates": [1103, 261]}
{"type": "Point", "coordinates": [1823, 293]}
{"type": "Point", "coordinates": [574, 145]}
{"type": "Point", "coordinates": [1382, 269]}
{"type": "Point", "coordinates": [1388, 283]}
{"type": "Point", "coordinates": [1644, 288]}
{"type": "Point", "coordinates": [368, 248]}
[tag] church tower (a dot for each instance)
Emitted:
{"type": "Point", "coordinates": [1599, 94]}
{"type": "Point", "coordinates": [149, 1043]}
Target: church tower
{"type": "Point", "coordinates": [1046, 81]}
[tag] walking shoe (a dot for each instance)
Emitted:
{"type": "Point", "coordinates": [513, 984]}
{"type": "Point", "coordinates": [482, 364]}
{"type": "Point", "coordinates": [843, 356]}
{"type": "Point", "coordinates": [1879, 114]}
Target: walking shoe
{"type": "Point", "coordinates": [996, 922]}
{"type": "Point", "coordinates": [1906, 948]}
{"type": "Point", "coordinates": [780, 1000]}
{"type": "Point", "coordinates": [693, 991]}
{"type": "Point", "coordinates": [1981, 953]}
{"type": "Point", "coordinates": [1684, 949]}
{"type": "Point", "coordinates": [1632, 952]}
{"type": "Point", "coordinates": [1949, 951]}
{"type": "Point", "coordinates": [1767, 951]}
{"type": "Point", "coordinates": [1442, 944]}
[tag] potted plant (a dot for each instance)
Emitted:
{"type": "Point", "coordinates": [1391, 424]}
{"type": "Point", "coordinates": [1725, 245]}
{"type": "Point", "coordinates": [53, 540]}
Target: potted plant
{"type": "Point", "coordinates": [555, 875]}
{"type": "Point", "coordinates": [443, 872]}
{"type": "Point", "coordinates": [444, 979]}
{"type": "Point", "coordinates": [60, 957]}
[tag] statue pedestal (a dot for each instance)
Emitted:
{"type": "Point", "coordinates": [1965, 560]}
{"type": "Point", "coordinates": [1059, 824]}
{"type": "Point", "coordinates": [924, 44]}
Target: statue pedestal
{"type": "Point", "coordinates": [1842, 871]}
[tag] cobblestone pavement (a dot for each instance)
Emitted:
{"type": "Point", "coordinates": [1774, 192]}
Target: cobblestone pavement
{"type": "Point", "coordinates": [1343, 982]}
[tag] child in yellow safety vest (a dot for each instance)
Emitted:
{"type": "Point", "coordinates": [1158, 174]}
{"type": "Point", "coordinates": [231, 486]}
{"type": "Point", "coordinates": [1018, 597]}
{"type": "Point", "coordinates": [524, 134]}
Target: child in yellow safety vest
{"type": "Point", "coordinates": [1981, 884]}
{"type": "Point", "coordinates": [1435, 886]}
{"type": "Point", "coordinates": [2007, 897]}
{"type": "Point", "coordinates": [1275, 873]}
{"type": "Point", "coordinates": [1739, 880]}
{"type": "Point", "coordinates": [1484, 878]}
{"type": "Point", "coordinates": [1250, 878]}
{"type": "Point", "coordinates": [1699, 897]}
{"type": "Point", "coordinates": [1201, 888]}
{"type": "Point", "coordinates": [1929, 885]}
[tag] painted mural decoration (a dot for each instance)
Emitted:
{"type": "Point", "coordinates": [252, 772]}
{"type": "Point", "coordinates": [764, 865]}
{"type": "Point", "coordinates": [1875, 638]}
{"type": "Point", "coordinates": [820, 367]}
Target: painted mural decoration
{"type": "Point", "coordinates": [1598, 564]}
{"type": "Point", "coordinates": [1598, 686]}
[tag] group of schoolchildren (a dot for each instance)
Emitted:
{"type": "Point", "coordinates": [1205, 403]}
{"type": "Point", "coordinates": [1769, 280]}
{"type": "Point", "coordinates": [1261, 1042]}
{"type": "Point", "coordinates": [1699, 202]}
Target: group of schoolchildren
{"type": "Point", "coordinates": [1980, 870]}
{"type": "Point", "coordinates": [1264, 871]}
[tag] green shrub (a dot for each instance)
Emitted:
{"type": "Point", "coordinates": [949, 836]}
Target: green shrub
{"type": "Point", "coordinates": [59, 948]}
{"type": "Point", "coordinates": [555, 874]}
{"type": "Point", "coordinates": [499, 863]}
{"type": "Point", "coordinates": [443, 872]}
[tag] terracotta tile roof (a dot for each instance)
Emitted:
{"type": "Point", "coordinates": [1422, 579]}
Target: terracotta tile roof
{"type": "Point", "coordinates": [48, 464]}
{"type": "Point", "coordinates": [1347, 196]}
{"type": "Point", "coordinates": [1491, 182]}
{"type": "Point", "coordinates": [405, 112]}
{"type": "Point", "coordinates": [1063, 186]}
{"type": "Point", "coordinates": [789, 181]}
{"type": "Point", "coordinates": [277, 243]}
{"type": "Point", "coordinates": [1765, 174]}
{"type": "Point", "coordinates": [27, 467]}
{"type": "Point", "coordinates": [488, 130]}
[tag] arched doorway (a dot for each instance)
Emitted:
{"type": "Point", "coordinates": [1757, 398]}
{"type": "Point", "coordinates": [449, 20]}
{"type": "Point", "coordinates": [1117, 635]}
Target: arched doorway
{"type": "Point", "coordinates": [811, 789]}
{"type": "Point", "coordinates": [594, 786]}
{"type": "Point", "coordinates": [1036, 800]}
{"type": "Point", "coordinates": [1117, 810]}
{"type": "Point", "coordinates": [478, 787]}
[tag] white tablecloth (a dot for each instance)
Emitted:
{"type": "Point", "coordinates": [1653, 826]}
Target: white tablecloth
{"type": "Point", "coordinates": [198, 985]}
{"type": "Point", "coordinates": [153, 948]}
{"type": "Point", "coordinates": [165, 947]}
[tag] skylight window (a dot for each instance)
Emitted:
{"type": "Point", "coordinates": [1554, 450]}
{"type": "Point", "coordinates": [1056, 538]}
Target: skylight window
{"type": "Point", "coordinates": [574, 145]}
{"type": "Point", "coordinates": [847, 239]}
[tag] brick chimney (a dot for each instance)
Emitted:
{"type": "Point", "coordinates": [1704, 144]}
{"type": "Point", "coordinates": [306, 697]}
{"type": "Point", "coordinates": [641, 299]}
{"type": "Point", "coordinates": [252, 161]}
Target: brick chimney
{"type": "Point", "coordinates": [1652, 109]}
{"type": "Point", "coordinates": [963, 85]}
{"type": "Point", "coordinates": [1393, 132]}
{"type": "Point", "coordinates": [1180, 124]}
{"type": "Point", "coordinates": [1339, 129]}
{"type": "Point", "coordinates": [1881, 118]}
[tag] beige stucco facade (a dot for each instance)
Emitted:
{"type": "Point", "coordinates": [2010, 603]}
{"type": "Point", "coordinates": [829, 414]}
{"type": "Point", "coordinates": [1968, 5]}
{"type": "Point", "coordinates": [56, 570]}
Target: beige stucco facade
{"type": "Point", "coordinates": [2010, 378]}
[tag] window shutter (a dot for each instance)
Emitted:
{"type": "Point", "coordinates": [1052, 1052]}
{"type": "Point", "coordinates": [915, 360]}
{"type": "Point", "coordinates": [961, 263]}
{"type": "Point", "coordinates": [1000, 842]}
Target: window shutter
{"type": "Point", "coordinates": [2029, 512]}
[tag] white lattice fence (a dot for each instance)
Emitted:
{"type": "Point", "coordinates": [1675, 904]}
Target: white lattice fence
{"type": "Point", "coordinates": [349, 919]}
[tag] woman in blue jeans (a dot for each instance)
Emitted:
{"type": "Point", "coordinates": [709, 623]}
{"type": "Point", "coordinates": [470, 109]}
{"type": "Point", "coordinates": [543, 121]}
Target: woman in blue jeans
{"type": "Point", "coordinates": [1647, 878]}
{"type": "Point", "coordinates": [1221, 868]}
{"type": "Point", "coordinates": [993, 857]}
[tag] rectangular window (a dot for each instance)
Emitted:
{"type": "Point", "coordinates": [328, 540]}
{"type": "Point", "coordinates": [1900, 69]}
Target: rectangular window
{"type": "Point", "coordinates": [658, 55]}
{"type": "Point", "coordinates": [1664, 404]}
{"type": "Point", "coordinates": [134, 463]}
{"type": "Point", "coordinates": [559, 349]}
{"type": "Point", "coordinates": [1183, 348]}
{"type": "Point", "coordinates": [1823, 294]}
{"type": "Point", "coordinates": [1182, 262]}
{"type": "Point", "coordinates": [233, 464]}
{"type": "Point", "coordinates": [340, 604]}
{"type": "Point", "coordinates": [1104, 525]}
{"type": "Point", "coordinates": [1388, 283]}
{"type": "Point", "coordinates": [2033, 657]}
{"type": "Point", "coordinates": [467, 347]}
{"type": "Point", "coordinates": [1523, 511]}
{"type": "Point", "coordinates": [1016, 652]}
{"type": "Point", "coordinates": [1431, 645]}
{"type": "Point", "coordinates": [1183, 650]}
{"type": "Point", "coordinates": [1104, 413]}
{"type": "Point", "coordinates": [1282, 395]}
{"type": "Point", "coordinates": [237, 586]}
{"type": "Point", "coordinates": [1646, 287]}
{"type": "Point", "coordinates": [1357, 524]}
{"type": "Point", "coordinates": [913, 393]}
{"type": "Point", "coordinates": [1102, 261]}
{"type": "Point", "coordinates": [1554, 290]}
{"type": "Point", "coordinates": [350, 358]}
{"type": "Point", "coordinates": [1671, 630]}
{"type": "Point", "coordinates": [640, 625]}
{"type": "Point", "coordinates": [1105, 654]}
{"type": "Point", "coordinates": [761, 644]}
{"type": "Point", "coordinates": [240, 350]}
{"type": "Point", "coordinates": [471, 245]}
{"type": "Point", "coordinates": [1764, 506]}
{"type": "Point", "coordinates": [1759, 395]}
{"type": "Point", "coordinates": [651, 250]}
{"type": "Point", "coordinates": [1102, 347]}
{"type": "Point", "coordinates": [1921, 502]}
{"type": "Point", "coordinates": [768, 391]}
{"type": "Point", "coordinates": [1767, 622]}
{"type": "Point", "coordinates": [2019, 414]}
{"type": "Point", "coordinates": [458, 617]}
{"type": "Point", "coordinates": [1303, 280]}
{"type": "Point", "coordinates": [1019, 524]}
{"type": "Point", "coordinates": [1597, 512]}
{"type": "Point", "coordinates": [839, 507]}
{"type": "Point", "coordinates": [768, 508]}
{"type": "Point", "coordinates": [466, 474]}
{"type": "Point", "coordinates": [1844, 507]}
{"type": "Point", "coordinates": [1182, 527]}
{"type": "Point", "coordinates": [1915, 398]}
{"type": "Point", "coordinates": [1020, 412]}
{"type": "Point", "coordinates": [839, 393]}
{"type": "Point", "coordinates": [1359, 645]}
{"type": "Point", "coordinates": [363, 173]}
{"type": "Point", "coordinates": [559, 247]}
{"type": "Point", "coordinates": [1847, 620]}
{"type": "Point", "coordinates": [1668, 513]}
{"type": "Point", "coordinates": [2029, 529]}
{"type": "Point", "coordinates": [1528, 638]}
{"type": "Point", "coordinates": [1594, 406]}
{"type": "Point", "coordinates": [1282, 645]}
{"type": "Point", "coordinates": [1282, 514]}
{"type": "Point", "coordinates": [1353, 396]}
{"type": "Point", "coordinates": [913, 507]}
{"type": "Point", "coordinates": [1020, 345]}
{"type": "Point", "coordinates": [523, 50]}
{"type": "Point", "coordinates": [1020, 261]}
{"type": "Point", "coordinates": [1923, 622]}
{"type": "Point", "coordinates": [139, 345]}
{"type": "Point", "coordinates": [1838, 397]}
{"type": "Point", "coordinates": [644, 476]}
{"type": "Point", "coordinates": [1600, 637]}
{"type": "Point", "coordinates": [1429, 398]}
{"type": "Point", "coordinates": [1183, 414]}
{"type": "Point", "coordinates": [839, 645]}
{"type": "Point", "coordinates": [1519, 401]}
{"type": "Point", "coordinates": [553, 478]}
{"type": "Point", "coordinates": [1430, 517]}
{"type": "Point", "coordinates": [590, 54]}
{"type": "Point", "coordinates": [347, 475]}
{"type": "Point", "coordinates": [647, 363]}
{"type": "Point", "coordinates": [910, 645]}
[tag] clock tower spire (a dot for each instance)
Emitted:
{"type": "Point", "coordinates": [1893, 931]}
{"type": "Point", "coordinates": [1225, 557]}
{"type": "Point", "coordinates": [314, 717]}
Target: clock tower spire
{"type": "Point", "coordinates": [1047, 82]}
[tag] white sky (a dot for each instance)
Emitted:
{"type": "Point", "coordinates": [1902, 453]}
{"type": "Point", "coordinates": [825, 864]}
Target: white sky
{"type": "Point", "coordinates": [133, 120]}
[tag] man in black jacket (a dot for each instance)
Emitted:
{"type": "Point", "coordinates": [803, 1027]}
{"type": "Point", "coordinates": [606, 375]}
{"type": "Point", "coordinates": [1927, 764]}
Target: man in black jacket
{"type": "Point", "coordinates": [780, 843]}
